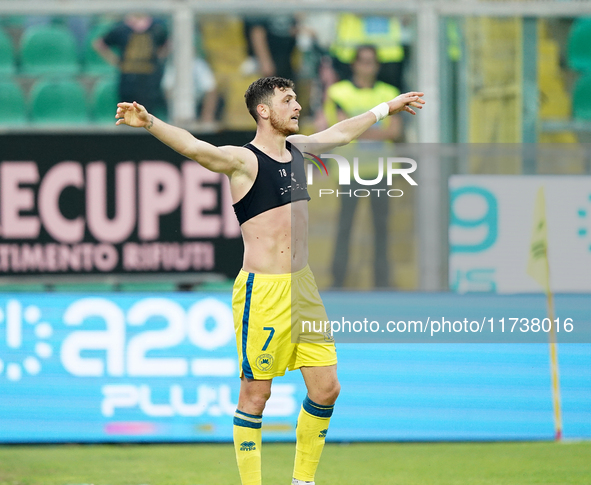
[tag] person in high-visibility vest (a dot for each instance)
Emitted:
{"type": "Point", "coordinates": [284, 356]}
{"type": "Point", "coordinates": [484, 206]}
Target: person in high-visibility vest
{"type": "Point", "coordinates": [383, 32]}
{"type": "Point", "coordinates": [349, 98]}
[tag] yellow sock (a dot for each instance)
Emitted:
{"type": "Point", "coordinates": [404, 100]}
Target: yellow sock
{"type": "Point", "coordinates": [310, 434]}
{"type": "Point", "coordinates": [247, 443]}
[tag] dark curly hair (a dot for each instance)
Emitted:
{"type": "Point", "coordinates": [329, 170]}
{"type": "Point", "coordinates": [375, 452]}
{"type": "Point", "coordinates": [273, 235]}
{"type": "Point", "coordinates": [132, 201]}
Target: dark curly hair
{"type": "Point", "coordinates": [262, 90]}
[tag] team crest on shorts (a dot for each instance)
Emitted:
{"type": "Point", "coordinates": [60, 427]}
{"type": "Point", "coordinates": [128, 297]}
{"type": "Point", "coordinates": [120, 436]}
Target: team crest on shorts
{"type": "Point", "coordinates": [264, 362]}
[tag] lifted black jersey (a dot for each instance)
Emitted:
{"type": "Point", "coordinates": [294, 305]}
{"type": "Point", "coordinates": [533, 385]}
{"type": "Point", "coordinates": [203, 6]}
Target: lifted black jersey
{"type": "Point", "coordinates": [276, 184]}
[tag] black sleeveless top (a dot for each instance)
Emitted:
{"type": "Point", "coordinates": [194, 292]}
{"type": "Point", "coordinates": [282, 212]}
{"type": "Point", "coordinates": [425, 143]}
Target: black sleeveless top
{"type": "Point", "coordinates": [276, 184]}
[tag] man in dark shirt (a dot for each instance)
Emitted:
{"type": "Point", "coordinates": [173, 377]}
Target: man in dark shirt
{"type": "Point", "coordinates": [271, 41]}
{"type": "Point", "coordinates": [141, 43]}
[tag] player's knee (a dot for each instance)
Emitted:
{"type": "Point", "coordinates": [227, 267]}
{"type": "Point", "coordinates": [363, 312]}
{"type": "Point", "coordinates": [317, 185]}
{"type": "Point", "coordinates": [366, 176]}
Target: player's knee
{"type": "Point", "coordinates": [335, 391]}
{"type": "Point", "coordinates": [326, 396]}
{"type": "Point", "coordinates": [256, 402]}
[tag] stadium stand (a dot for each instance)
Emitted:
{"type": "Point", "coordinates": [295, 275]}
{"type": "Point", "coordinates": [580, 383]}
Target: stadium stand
{"type": "Point", "coordinates": [579, 45]}
{"type": "Point", "coordinates": [555, 100]}
{"type": "Point", "coordinates": [582, 88]}
{"type": "Point", "coordinates": [94, 64]}
{"type": "Point", "coordinates": [47, 49]}
{"type": "Point", "coordinates": [493, 49]}
{"type": "Point", "coordinates": [104, 98]}
{"type": "Point", "coordinates": [7, 58]}
{"type": "Point", "coordinates": [13, 109]}
{"type": "Point", "coordinates": [16, 21]}
{"type": "Point", "coordinates": [60, 101]}
{"type": "Point", "coordinates": [579, 59]}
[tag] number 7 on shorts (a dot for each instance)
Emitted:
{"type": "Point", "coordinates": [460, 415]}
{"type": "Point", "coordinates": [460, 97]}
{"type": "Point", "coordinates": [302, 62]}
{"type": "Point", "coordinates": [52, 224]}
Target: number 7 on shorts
{"type": "Point", "coordinates": [272, 332]}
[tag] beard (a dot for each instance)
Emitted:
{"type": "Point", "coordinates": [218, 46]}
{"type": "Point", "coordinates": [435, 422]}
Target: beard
{"type": "Point", "coordinates": [281, 126]}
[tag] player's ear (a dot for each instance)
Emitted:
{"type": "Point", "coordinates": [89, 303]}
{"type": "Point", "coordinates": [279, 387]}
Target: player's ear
{"type": "Point", "coordinates": [263, 111]}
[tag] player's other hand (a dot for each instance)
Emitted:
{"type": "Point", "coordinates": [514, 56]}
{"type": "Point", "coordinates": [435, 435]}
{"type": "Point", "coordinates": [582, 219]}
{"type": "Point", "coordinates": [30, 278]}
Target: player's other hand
{"type": "Point", "coordinates": [132, 114]}
{"type": "Point", "coordinates": [405, 102]}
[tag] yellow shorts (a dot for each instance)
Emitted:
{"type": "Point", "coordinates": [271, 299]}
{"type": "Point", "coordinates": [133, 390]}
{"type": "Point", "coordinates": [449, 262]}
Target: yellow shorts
{"type": "Point", "coordinates": [268, 324]}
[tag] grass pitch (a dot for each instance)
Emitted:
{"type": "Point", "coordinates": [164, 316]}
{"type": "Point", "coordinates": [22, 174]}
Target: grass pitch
{"type": "Point", "coordinates": [342, 464]}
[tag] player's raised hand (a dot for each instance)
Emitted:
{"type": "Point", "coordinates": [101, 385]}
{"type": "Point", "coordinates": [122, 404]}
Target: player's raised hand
{"type": "Point", "coordinates": [132, 114]}
{"type": "Point", "coordinates": [405, 101]}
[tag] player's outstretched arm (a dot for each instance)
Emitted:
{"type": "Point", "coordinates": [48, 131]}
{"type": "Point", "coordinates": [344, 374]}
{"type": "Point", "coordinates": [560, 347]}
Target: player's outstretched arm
{"type": "Point", "coordinates": [348, 130]}
{"type": "Point", "coordinates": [223, 160]}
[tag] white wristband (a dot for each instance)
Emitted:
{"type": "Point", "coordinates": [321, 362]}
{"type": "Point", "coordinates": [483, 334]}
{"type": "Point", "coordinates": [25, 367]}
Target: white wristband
{"type": "Point", "coordinates": [381, 111]}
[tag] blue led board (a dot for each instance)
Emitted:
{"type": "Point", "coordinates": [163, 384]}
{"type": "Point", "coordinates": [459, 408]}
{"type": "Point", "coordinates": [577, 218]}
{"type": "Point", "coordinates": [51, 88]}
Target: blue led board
{"type": "Point", "coordinates": [140, 367]}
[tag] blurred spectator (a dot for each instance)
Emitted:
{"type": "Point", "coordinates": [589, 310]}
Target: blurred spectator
{"type": "Point", "coordinates": [204, 86]}
{"type": "Point", "coordinates": [271, 42]}
{"type": "Point", "coordinates": [142, 44]}
{"type": "Point", "coordinates": [224, 45]}
{"type": "Point", "coordinates": [315, 34]}
{"type": "Point", "coordinates": [346, 99]}
{"type": "Point", "coordinates": [318, 28]}
{"type": "Point", "coordinates": [386, 33]}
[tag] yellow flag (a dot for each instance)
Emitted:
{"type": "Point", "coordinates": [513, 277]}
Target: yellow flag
{"type": "Point", "coordinates": [537, 266]}
{"type": "Point", "coordinates": [539, 269]}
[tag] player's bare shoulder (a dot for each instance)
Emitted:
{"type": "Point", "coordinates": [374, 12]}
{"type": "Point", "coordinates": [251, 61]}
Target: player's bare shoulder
{"type": "Point", "coordinates": [245, 161]}
{"type": "Point", "coordinates": [242, 178]}
{"type": "Point", "coordinates": [227, 159]}
{"type": "Point", "coordinates": [310, 143]}
{"type": "Point", "coordinates": [301, 142]}
{"type": "Point", "coordinates": [246, 166]}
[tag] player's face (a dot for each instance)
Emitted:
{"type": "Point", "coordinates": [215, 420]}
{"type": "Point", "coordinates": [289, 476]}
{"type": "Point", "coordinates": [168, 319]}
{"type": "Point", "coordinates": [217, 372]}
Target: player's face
{"type": "Point", "coordinates": [285, 112]}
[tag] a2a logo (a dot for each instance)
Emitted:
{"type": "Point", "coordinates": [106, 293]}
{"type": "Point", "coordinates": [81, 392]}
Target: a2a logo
{"type": "Point", "coordinates": [248, 446]}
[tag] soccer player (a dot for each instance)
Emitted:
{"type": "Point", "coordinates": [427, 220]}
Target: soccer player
{"type": "Point", "coordinates": [268, 187]}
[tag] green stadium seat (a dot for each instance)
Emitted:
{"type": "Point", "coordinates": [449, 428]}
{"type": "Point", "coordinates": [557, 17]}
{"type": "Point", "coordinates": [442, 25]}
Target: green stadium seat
{"type": "Point", "coordinates": [7, 62]}
{"type": "Point", "coordinates": [17, 21]}
{"type": "Point", "coordinates": [104, 101]}
{"type": "Point", "coordinates": [94, 64]}
{"type": "Point", "coordinates": [159, 286]}
{"type": "Point", "coordinates": [59, 102]}
{"type": "Point", "coordinates": [23, 288]}
{"type": "Point", "coordinates": [83, 287]}
{"type": "Point", "coordinates": [47, 49]}
{"type": "Point", "coordinates": [13, 109]}
{"type": "Point", "coordinates": [579, 45]}
{"type": "Point", "coordinates": [582, 98]}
